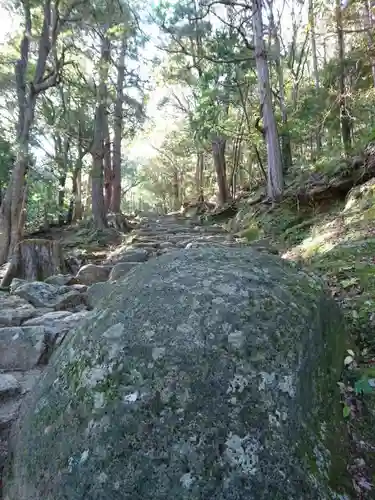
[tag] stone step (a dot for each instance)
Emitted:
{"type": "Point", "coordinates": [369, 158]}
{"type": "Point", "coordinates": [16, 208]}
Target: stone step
{"type": "Point", "coordinates": [9, 387]}
{"type": "Point", "coordinates": [8, 413]}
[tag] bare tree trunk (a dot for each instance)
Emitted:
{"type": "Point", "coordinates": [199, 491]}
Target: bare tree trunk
{"type": "Point", "coordinates": [13, 200]}
{"type": "Point", "coordinates": [176, 190]}
{"type": "Point", "coordinates": [286, 148]}
{"type": "Point", "coordinates": [117, 127]}
{"type": "Point", "coordinates": [315, 65]}
{"type": "Point", "coordinates": [181, 189]}
{"type": "Point", "coordinates": [370, 34]}
{"type": "Point", "coordinates": [62, 147]}
{"type": "Point", "coordinates": [107, 167]}
{"type": "Point", "coordinates": [97, 151]}
{"type": "Point", "coordinates": [199, 174]}
{"type": "Point", "coordinates": [345, 121]}
{"type": "Point", "coordinates": [61, 198]}
{"type": "Point", "coordinates": [13, 210]}
{"type": "Point", "coordinates": [75, 205]}
{"type": "Point", "coordinates": [88, 194]}
{"type": "Point", "coordinates": [218, 153]}
{"type": "Point", "coordinates": [78, 207]}
{"type": "Point", "coordinates": [275, 182]}
{"type": "Point", "coordinates": [98, 206]}
{"type": "Point", "coordinates": [237, 152]}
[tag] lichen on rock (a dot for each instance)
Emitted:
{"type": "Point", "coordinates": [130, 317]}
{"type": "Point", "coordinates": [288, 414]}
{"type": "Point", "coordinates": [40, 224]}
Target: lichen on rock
{"type": "Point", "coordinates": [205, 374]}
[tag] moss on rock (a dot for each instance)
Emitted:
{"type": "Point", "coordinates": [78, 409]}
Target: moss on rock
{"type": "Point", "coordinates": [206, 374]}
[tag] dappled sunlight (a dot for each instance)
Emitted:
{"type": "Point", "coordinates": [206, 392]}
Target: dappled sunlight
{"type": "Point", "coordinates": [323, 238]}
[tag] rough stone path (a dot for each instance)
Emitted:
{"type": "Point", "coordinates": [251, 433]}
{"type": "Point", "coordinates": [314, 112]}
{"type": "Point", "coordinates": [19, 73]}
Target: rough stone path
{"type": "Point", "coordinates": [36, 318]}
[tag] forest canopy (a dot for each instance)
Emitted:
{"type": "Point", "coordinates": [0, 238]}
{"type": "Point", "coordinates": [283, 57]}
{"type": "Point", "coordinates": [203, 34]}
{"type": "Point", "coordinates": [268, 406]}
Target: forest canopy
{"type": "Point", "coordinates": [114, 106]}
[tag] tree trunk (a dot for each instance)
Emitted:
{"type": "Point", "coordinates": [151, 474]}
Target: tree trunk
{"type": "Point", "coordinates": [345, 121]}
{"type": "Point", "coordinates": [97, 151]}
{"type": "Point", "coordinates": [97, 184]}
{"type": "Point", "coordinates": [12, 212]}
{"type": "Point", "coordinates": [107, 167]}
{"type": "Point", "coordinates": [199, 175]}
{"type": "Point", "coordinates": [88, 194]}
{"type": "Point", "coordinates": [286, 148]}
{"type": "Point", "coordinates": [15, 195]}
{"type": "Point", "coordinates": [35, 260]}
{"type": "Point", "coordinates": [218, 153]}
{"type": "Point", "coordinates": [176, 190]}
{"type": "Point", "coordinates": [315, 65]}
{"type": "Point", "coordinates": [236, 163]}
{"type": "Point", "coordinates": [370, 35]}
{"type": "Point", "coordinates": [117, 128]}
{"type": "Point", "coordinates": [61, 200]}
{"type": "Point", "coordinates": [76, 207]}
{"type": "Point", "coordinates": [275, 182]}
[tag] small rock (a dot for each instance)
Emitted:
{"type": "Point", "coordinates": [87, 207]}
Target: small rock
{"type": "Point", "coordinates": [128, 255]}
{"type": "Point", "coordinates": [197, 244]}
{"type": "Point", "coordinates": [21, 347]}
{"type": "Point", "coordinates": [58, 323]}
{"type": "Point", "coordinates": [16, 283]}
{"type": "Point", "coordinates": [90, 274]}
{"type": "Point", "coordinates": [9, 386]}
{"type": "Point", "coordinates": [61, 280]}
{"type": "Point", "coordinates": [14, 310]}
{"type": "Point", "coordinates": [166, 244]}
{"type": "Point", "coordinates": [41, 294]}
{"type": "Point", "coordinates": [79, 288]}
{"type": "Point", "coordinates": [162, 251]}
{"type": "Point", "coordinates": [147, 245]}
{"type": "Point", "coordinates": [8, 413]}
{"type": "Point", "coordinates": [48, 319]}
{"type": "Point", "coordinates": [15, 317]}
{"type": "Point", "coordinates": [121, 269]}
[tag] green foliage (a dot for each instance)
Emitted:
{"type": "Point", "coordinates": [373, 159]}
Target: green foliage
{"type": "Point", "coordinates": [7, 159]}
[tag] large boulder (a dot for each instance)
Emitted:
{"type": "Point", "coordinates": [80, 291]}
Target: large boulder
{"type": "Point", "coordinates": [207, 373]}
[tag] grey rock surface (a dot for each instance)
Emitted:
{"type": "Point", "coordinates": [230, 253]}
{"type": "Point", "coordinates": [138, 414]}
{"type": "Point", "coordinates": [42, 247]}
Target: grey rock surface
{"type": "Point", "coordinates": [40, 294]}
{"type": "Point", "coordinates": [121, 269]}
{"type": "Point", "coordinates": [58, 324]}
{"type": "Point", "coordinates": [97, 292]}
{"type": "Point", "coordinates": [204, 375]}
{"type": "Point", "coordinates": [90, 274]}
{"type": "Point", "coordinates": [9, 386]}
{"type": "Point", "coordinates": [60, 279]}
{"type": "Point", "coordinates": [14, 310]}
{"type": "Point", "coordinates": [127, 255]}
{"type": "Point", "coordinates": [21, 347]}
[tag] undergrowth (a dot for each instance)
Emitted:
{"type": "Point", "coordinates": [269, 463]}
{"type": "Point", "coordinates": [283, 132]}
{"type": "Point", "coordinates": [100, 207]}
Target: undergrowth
{"type": "Point", "coordinates": [337, 240]}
